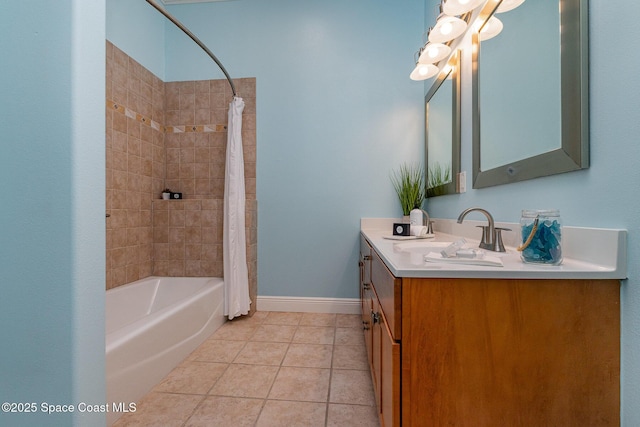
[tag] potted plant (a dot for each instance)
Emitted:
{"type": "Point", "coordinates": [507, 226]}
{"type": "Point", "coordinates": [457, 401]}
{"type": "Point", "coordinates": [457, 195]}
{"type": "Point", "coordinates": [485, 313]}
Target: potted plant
{"type": "Point", "coordinates": [166, 194]}
{"type": "Point", "coordinates": [408, 182]}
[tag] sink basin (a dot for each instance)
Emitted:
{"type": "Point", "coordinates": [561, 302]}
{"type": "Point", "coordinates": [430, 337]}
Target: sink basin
{"type": "Point", "coordinates": [420, 247]}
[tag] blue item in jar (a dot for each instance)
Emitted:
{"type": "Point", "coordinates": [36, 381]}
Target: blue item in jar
{"type": "Point", "coordinates": [545, 246]}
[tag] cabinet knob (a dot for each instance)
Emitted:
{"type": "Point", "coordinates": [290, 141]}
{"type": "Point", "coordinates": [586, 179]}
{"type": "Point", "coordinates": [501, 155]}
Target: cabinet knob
{"type": "Point", "coordinates": [375, 317]}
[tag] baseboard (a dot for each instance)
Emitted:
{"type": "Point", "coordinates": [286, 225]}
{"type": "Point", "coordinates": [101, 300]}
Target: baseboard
{"type": "Point", "coordinates": [309, 305]}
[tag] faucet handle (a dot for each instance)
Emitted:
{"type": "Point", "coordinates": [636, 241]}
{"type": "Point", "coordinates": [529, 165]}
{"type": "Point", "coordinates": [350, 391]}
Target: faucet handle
{"type": "Point", "coordinates": [486, 242]}
{"type": "Point", "coordinates": [429, 227]}
{"type": "Point", "coordinates": [499, 245]}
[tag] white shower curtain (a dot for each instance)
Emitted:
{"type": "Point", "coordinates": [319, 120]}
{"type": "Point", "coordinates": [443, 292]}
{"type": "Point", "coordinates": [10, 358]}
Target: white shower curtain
{"type": "Point", "coordinates": [236, 276]}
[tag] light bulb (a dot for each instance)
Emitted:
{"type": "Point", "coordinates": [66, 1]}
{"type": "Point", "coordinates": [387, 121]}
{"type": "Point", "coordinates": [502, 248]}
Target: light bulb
{"type": "Point", "coordinates": [446, 28]}
{"type": "Point", "coordinates": [434, 52]}
{"type": "Point", "coordinates": [423, 72]}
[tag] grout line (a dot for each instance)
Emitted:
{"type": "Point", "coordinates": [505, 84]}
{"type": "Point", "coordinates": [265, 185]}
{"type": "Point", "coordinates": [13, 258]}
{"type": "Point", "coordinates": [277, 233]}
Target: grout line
{"type": "Point", "coordinates": [194, 410]}
{"type": "Point", "coordinates": [333, 350]}
{"type": "Point", "coordinates": [266, 398]}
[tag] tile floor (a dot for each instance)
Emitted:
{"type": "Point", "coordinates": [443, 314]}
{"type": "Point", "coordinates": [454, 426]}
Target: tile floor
{"type": "Point", "coordinates": [273, 369]}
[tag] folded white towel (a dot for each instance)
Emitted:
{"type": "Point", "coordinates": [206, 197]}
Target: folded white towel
{"type": "Point", "coordinates": [485, 261]}
{"type": "Point", "coordinates": [418, 230]}
{"type": "Point", "coordinates": [424, 236]}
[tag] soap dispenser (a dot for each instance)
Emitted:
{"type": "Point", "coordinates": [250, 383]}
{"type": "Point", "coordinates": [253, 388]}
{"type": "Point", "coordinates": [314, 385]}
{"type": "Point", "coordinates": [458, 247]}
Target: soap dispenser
{"type": "Point", "coordinates": [418, 228]}
{"type": "Point", "coordinates": [415, 217]}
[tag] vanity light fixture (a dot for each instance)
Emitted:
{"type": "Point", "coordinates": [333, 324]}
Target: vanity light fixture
{"type": "Point", "coordinates": [433, 53]}
{"type": "Point", "coordinates": [460, 7]}
{"type": "Point", "coordinates": [423, 71]}
{"type": "Point", "coordinates": [508, 5]}
{"type": "Point", "coordinates": [449, 31]}
{"type": "Point", "coordinates": [447, 28]}
{"type": "Point", "coordinates": [490, 28]}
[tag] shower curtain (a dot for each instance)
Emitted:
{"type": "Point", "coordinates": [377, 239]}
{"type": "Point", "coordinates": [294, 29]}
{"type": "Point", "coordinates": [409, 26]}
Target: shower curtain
{"type": "Point", "coordinates": [236, 276]}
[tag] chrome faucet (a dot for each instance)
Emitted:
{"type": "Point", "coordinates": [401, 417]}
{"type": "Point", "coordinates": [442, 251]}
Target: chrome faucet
{"type": "Point", "coordinates": [491, 236]}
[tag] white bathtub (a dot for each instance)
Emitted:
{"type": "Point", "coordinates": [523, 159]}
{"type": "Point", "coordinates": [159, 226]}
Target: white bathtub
{"type": "Point", "coordinates": [153, 324]}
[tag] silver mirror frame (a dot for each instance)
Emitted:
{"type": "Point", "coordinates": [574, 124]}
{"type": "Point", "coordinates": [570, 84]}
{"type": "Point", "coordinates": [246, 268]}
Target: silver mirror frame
{"type": "Point", "coordinates": [573, 153]}
{"type": "Point", "coordinates": [451, 187]}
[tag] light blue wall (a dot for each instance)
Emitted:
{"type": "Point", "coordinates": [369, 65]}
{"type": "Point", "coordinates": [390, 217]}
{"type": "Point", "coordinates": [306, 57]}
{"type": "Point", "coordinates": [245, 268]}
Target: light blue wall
{"type": "Point", "coordinates": [336, 112]}
{"type": "Point", "coordinates": [605, 195]}
{"type": "Point", "coordinates": [52, 271]}
{"type": "Point", "coordinates": [138, 30]}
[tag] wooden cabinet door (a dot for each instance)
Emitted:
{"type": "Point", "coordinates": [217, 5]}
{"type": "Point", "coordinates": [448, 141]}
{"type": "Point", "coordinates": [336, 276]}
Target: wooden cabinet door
{"type": "Point", "coordinates": [510, 352]}
{"type": "Point", "coordinates": [389, 378]}
{"type": "Point", "coordinates": [366, 295]}
{"type": "Point", "coordinates": [376, 362]}
{"type": "Point", "coordinates": [367, 309]}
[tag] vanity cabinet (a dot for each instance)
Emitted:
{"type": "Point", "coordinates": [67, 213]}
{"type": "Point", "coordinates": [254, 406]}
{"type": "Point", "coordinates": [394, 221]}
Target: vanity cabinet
{"type": "Point", "coordinates": [491, 351]}
{"type": "Point", "coordinates": [377, 290]}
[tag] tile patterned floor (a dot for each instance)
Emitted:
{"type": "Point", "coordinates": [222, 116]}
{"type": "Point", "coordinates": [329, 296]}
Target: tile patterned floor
{"type": "Point", "coordinates": [273, 369]}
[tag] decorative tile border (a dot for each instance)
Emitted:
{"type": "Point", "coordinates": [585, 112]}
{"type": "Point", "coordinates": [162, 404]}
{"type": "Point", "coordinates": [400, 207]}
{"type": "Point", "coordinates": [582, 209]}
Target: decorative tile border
{"type": "Point", "coordinates": [114, 106]}
{"type": "Point", "coordinates": [195, 128]}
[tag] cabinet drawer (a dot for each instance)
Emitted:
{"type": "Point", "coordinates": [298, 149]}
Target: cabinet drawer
{"type": "Point", "coordinates": [389, 291]}
{"type": "Point", "coordinates": [365, 262]}
{"type": "Point", "coordinates": [365, 249]}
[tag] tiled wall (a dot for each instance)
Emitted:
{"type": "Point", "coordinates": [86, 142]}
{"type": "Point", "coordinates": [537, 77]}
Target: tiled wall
{"type": "Point", "coordinates": [135, 163]}
{"type": "Point", "coordinates": [171, 135]}
{"type": "Point", "coordinates": [187, 238]}
{"type": "Point", "coordinates": [196, 117]}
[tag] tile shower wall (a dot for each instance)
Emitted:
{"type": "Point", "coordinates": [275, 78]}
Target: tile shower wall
{"type": "Point", "coordinates": [135, 165]}
{"type": "Point", "coordinates": [196, 137]}
{"type": "Point", "coordinates": [171, 135]}
{"type": "Point", "coordinates": [187, 238]}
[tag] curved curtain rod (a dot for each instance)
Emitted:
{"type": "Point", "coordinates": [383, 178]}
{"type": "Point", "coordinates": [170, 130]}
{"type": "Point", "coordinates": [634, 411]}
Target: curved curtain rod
{"type": "Point", "coordinates": [195, 39]}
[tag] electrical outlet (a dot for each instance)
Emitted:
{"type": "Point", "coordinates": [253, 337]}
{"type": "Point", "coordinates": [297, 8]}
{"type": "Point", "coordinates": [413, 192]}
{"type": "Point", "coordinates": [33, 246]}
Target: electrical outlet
{"type": "Point", "coordinates": [462, 182]}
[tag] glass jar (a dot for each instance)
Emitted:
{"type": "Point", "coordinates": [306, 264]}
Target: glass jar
{"type": "Point", "coordinates": [541, 237]}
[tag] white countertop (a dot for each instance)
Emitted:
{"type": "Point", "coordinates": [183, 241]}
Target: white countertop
{"type": "Point", "coordinates": [588, 253]}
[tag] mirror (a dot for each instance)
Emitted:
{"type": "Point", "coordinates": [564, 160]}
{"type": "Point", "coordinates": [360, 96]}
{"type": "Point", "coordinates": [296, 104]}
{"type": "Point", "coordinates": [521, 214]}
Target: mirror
{"type": "Point", "coordinates": [442, 131]}
{"type": "Point", "coordinates": [530, 94]}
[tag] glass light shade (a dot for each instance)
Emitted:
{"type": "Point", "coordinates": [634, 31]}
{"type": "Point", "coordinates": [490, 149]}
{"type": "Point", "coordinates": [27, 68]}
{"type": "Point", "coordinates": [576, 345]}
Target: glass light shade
{"type": "Point", "coordinates": [423, 71]}
{"type": "Point", "coordinates": [459, 7]}
{"type": "Point", "coordinates": [447, 28]}
{"type": "Point", "coordinates": [492, 28]}
{"type": "Point", "coordinates": [508, 5]}
{"type": "Point", "coordinates": [434, 52]}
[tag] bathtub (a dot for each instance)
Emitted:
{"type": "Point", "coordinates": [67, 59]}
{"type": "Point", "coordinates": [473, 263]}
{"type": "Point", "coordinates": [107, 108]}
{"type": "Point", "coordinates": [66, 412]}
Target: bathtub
{"type": "Point", "coordinates": [151, 326]}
